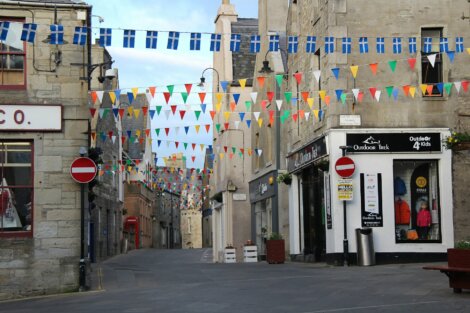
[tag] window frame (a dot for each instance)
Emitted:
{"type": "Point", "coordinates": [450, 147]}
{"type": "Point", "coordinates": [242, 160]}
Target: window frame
{"type": "Point", "coordinates": [438, 63]}
{"type": "Point", "coordinates": [23, 54]}
{"type": "Point", "coordinates": [22, 233]}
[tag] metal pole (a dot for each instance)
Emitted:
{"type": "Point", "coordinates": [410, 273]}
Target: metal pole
{"type": "Point", "coordinates": [345, 240]}
{"type": "Point", "coordinates": [82, 238]}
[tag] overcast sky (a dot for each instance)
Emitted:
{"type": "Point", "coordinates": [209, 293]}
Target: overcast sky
{"type": "Point", "coordinates": [141, 67]}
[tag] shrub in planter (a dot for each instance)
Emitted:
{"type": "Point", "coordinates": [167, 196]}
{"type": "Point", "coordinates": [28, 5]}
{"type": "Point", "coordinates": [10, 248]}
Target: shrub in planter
{"type": "Point", "coordinates": [275, 247]}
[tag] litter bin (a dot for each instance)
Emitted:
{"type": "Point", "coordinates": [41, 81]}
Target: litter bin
{"type": "Point", "coordinates": [365, 247]}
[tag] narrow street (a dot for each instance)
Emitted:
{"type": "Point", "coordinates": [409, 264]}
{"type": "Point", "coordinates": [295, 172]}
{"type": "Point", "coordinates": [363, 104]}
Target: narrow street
{"type": "Point", "coordinates": [186, 281]}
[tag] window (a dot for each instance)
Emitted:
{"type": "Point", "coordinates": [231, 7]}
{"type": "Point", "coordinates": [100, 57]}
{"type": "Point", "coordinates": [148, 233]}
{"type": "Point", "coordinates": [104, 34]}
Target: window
{"type": "Point", "coordinates": [12, 59]}
{"type": "Point", "coordinates": [417, 212]}
{"type": "Point", "coordinates": [430, 74]}
{"type": "Point", "coordinates": [16, 186]}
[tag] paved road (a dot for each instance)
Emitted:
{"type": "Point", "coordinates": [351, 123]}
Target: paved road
{"type": "Point", "coordinates": [185, 281]}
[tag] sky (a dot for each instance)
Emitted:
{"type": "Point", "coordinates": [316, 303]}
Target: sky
{"type": "Point", "coordinates": [141, 67]}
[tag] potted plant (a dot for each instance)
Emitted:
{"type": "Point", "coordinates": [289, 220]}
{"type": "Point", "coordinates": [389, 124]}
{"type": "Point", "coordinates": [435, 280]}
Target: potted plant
{"type": "Point", "coordinates": [285, 178]}
{"type": "Point", "coordinates": [457, 141]}
{"type": "Point", "coordinates": [275, 251]}
{"type": "Point", "coordinates": [230, 254]}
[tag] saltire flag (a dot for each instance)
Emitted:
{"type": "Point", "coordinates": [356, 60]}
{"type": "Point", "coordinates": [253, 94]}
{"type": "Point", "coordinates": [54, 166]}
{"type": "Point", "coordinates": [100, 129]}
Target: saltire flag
{"type": "Point", "coordinates": [363, 45]}
{"type": "Point", "coordinates": [346, 45]}
{"type": "Point", "coordinates": [105, 37]}
{"type": "Point", "coordinates": [311, 44]}
{"type": "Point", "coordinates": [173, 40]}
{"type": "Point", "coordinates": [215, 42]}
{"type": "Point", "coordinates": [380, 41]}
{"type": "Point", "coordinates": [329, 44]}
{"type": "Point", "coordinates": [427, 45]}
{"type": "Point", "coordinates": [129, 38]}
{"type": "Point", "coordinates": [274, 43]}
{"type": "Point", "coordinates": [80, 35]}
{"type": "Point", "coordinates": [4, 27]}
{"type": "Point", "coordinates": [412, 45]}
{"type": "Point", "coordinates": [151, 39]}
{"type": "Point", "coordinates": [293, 44]}
{"type": "Point", "coordinates": [396, 45]}
{"type": "Point", "coordinates": [195, 41]}
{"type": "Point", "coordinates": [443, 44]}
{"type": "Point", "coordinates": [235, 40]}
{"type": "Point", "coordinates": [57, 34]}
{"type": "Point", "coordinates": [255, 43]}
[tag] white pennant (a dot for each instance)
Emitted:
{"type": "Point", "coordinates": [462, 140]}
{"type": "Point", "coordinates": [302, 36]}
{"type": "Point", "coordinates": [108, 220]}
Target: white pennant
{"type": "Point", "coordinates": [279, 104]}
{"type": "Point", "coordinates": [307, 115]}
{"type": "Point", "coordinates": [113, 138]}
{"type": "Point", "coordinates": [356, 93]}
{"type": "Point", "coordinates": [256, 114]}
{"type": "Point", "coordinates": [432, 59]}
{"type": "Point", "coordinates": [217, 147]}
{"type": "Point", "coordinates": [167, 144]}
{"type": "Point", "coordinates": [149, 98]}
{"type": "Point", "coordinates": [259, 152]}
{"type": "Point", "coordinates": [167, 114]}
{"type": "Point", "coordinates": [317, 75]}
{"type": "Point", "coordinates": [377, 95]}
{"type": "Point", "coordinates": [237, 124]}
{"type": "Point", "coordinates": [253, 95]}
{"type": "Point", "coordinates": [101, 112]}
{"type": "Point", "coordinates": [100, 95]}
{"type": "Point", "coordinates": [457, 86]}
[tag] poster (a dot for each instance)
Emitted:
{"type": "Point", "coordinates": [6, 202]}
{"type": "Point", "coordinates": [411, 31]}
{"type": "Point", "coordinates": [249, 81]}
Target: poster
{"type": "Point", "coordinates": [371, 200]}
{"type": "Point", "coordinates": [327, 197]}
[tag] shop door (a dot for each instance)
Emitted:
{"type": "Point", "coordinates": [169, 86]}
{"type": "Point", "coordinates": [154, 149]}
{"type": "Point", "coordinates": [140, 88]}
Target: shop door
{"type": "Point", "coordinates": [314, 214]}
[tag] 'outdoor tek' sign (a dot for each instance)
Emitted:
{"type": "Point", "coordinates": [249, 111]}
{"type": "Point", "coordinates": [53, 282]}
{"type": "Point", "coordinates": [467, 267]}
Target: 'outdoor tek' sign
{"type": "Point", "coordinates": [394, 142]}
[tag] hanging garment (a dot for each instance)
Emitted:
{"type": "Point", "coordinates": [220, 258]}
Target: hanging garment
{"type": "Point", "coordinates": [402, 212]}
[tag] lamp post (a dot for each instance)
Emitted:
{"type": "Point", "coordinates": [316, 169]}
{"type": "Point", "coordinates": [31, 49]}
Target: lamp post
{"type": "Point", "coordinates": [203, 79]}
{"type": "Point", "coordinates": [345, 230]}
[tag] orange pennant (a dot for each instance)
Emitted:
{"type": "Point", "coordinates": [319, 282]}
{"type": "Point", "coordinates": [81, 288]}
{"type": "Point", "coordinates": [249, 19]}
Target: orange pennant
{"type": "Point", "coordinates": [429, 89]}
{"type": "Point", "coordinates": [233, 106]}
{"type": "Point", "coordinates": [373, 68]}
{"type": "Point", "coordinates": [94, 96]}
{"type": "Point", "coordinates": [208, 126]}
{"type": "Point", "coordinates": [298, 77]}
{"type": "Point", "coordinates": [305, 95]}
{"type": "Point", "coordinates": [260, 81]}
{"type": "Point", "coordinates": [152, 91]}
{"type": "Point", "coordinates": [212, 113]}
{"type": "Point", "coordinates": [202, 96]}
{"type": "Point", "coordinates": [406, 90]}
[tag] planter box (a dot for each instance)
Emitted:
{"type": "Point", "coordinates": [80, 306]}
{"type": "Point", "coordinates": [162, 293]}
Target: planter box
{"type": "Point", "coordinates": [459, 258]}
{"type": "Point", "coordinates": [275, 253]}
{"type": "Point", "coordinates": [250, 254]}
{"type": "Point", "coordinates": [230, 255]}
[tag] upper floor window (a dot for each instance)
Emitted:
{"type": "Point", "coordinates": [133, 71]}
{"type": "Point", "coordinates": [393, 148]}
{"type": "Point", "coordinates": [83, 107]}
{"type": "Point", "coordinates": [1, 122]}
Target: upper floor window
{"type": "Point", "coordinates": [13, 58]}
{"type": "Point", "coordinates": [431, 74]}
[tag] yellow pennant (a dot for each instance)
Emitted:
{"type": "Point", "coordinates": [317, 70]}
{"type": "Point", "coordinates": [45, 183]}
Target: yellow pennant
{"type": "Point", "coordinates": [468, 50]}
{"type": "Point", "coordinates": [412, 91]}
{"type": "Point", "coordinates": [354, 69]}
{"type": "Point", "coordinates": [310, 102]}
{"type": "Point", "coordinates": [137, 133]}
{"type": "Point", "coordinates": [202, 147]}
{"type": "Point", "coordinates": [130, 110]}
{"type": "Point", "coordinates": [221, 156]}
{"type": "Point", "coordinates": [217, 107]}
{"type": "Point", "coordinates": [112, 96]}
{"type": "Point", "coordinates": [101, 173]}
{"type": "Point", "coordinates": [129, 168]}
{"type": "Point", "coordinates": [135, 91]}
{"type": "Point", "coordinates": [136, 113]}
{"type": "Point", "coordinates": [322, 94]}
{"type": "Point", "coordinates": [260, 122]}
{"type": "Point", "coordinates": [242, 82]}
{"type": "Point", "coordinates": [219, 96]}
{"type": "Point", "coordinates": [423, 88]}
{"type": "Point", "coordinates": [150, 141]}
{"type": "Point", "coordinates": [227, 116]}
{"type": "Point", "coordinates": [197, 128]}
{"type": "Point", "coordinates": [315, 113]}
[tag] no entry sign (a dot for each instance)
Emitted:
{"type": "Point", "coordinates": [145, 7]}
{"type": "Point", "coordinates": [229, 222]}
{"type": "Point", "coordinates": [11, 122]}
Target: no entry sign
{"type": "Point", "coordinates": [345, 167]}
{"type": "Point", "coordinates": [83, 170]}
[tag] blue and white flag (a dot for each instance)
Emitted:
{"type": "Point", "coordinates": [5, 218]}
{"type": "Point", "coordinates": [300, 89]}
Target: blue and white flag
{"type": "Point", "coordinates": [363, 45]}
{"type": "Point", "coordinates": [311, 44]}
{"type": "Point", "coordinates": [459, 44]}
{"type": "Point", "coordinates": [235, 40]}
{"type": "Point", "coordinates": [427, 44]}
{"type": "Point", "coordinates": [443, 44]}
{"type": "Point", "coordinates": [29, 32]}
{"type": "Point", "coordinates": [151, 39]}
{"type": "Point", "coordinates": [105, 37]}
{"type": "Point", "coordinates": [293, 44]}
{"type": "Point", "coordinates": [129, 38]}
{"type": "Point", "coordinates": [195, 41]}
{"type": "Point", "coordinates": [4, 27]}
{"type": "Point", "coordinates": [173, 40]}
{"type": "Point", "coordinates": [412, 45]}
{"type": "Point", "coordinates": [346, 45]}
{"type": "Point", "coordinates": [57, 34]}
{"type": "Point", "coordinates": [329, 44]}
{"type": "Point", "coordinates": [273, 42]}
{"type": "Point", "coordinates": [80, 35]}
{"type": "Point", "coordinates": [215, 42]}
{"type": "Point", "coordinates": [255, 43]}
{"type": "Point", "coordinates": [396, 45]}
{"type": "Point", "coordinates": [380, 45]}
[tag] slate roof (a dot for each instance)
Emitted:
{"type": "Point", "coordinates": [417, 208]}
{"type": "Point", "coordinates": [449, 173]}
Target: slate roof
{"type": "Point", "coordinates": [244, 61]}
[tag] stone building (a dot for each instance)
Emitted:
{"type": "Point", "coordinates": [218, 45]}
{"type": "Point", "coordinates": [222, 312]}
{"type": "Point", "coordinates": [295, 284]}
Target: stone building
{"type": "Point", "coordinates": [44, 122]}
{"type": "Point", "coordinates": [191, 211]}
{"type": "Point", "coordinates": [373, 107]}
{"type": "Point", "coordinates": [231, 207]}
{"type": "Point", "coordinates": [206, 207]}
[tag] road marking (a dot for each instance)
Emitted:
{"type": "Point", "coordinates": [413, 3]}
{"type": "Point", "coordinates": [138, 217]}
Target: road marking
{"type": "Point", "coordinates": [372, 307]}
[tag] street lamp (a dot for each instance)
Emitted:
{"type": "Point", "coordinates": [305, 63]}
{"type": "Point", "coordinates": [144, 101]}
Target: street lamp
{"type": "Point", "coordinates": [203, 79]}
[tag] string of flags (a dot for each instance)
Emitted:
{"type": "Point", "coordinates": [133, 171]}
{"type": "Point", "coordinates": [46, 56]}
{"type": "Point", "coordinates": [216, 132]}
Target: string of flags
{"type": "Point", "coordinates": [309, 42]}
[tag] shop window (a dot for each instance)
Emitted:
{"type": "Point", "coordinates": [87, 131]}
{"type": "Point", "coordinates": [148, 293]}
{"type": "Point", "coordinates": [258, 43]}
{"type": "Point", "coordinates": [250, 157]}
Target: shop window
{"type": "Point", "coordinates": [417, 211]}
{"type": "Point", "coordinates": [431, 74]}
{"type": "Point", "coordinates": [16, 186]}
{"type": "Point", "coordinates": [12, 59]}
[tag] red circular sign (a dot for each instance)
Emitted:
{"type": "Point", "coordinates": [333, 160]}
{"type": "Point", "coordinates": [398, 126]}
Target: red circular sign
{"type": "Point", "coordinates": [83, 170]}
{"type": "Point", "coordinates": [345, 167]}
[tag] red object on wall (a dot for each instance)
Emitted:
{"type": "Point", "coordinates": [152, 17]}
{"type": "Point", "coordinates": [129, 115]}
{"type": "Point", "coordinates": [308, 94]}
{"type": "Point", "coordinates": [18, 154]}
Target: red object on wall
{"type": "Point", "coordinates": [275, 251]}
{"type": "Point", "coordinates": [132, 221]}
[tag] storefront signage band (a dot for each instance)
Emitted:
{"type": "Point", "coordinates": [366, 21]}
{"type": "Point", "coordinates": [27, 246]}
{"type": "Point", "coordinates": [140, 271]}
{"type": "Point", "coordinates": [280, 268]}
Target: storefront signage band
{"type": "Point", "coordinates": [393, 142]}
{"type": "Point", "coordinates": [306, 155]}
{"type": "Point", "coordinates": [30, 117]}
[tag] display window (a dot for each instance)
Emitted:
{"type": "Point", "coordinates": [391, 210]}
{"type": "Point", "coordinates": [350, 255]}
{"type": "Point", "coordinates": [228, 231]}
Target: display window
{"type": "Point", "coordinates": [16, 186]}
{"type": "Point", "coordinates": [416, 196]}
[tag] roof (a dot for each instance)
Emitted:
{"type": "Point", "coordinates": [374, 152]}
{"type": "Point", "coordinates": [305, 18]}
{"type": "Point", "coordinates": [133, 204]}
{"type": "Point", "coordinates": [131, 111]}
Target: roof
{"type": "Point", "coordinates": [244, 61]}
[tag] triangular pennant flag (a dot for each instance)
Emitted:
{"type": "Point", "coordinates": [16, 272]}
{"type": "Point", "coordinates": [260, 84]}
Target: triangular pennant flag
{"type": "Point", "coordinates": [310, 103]}
{"type": "Point", "coordinates": [260, 80]}
{"type": "Point", "coordinates": [307, 115]}
{"type": "Point", "coordinates": [227, 116]}
{"type": "Point", "coordinates": [170, 89]}
{"type": "Point", "coordinates": [440, 87]}
{"type": "Point", "coordinates": [130, 111]}
{"type": "Point", "coordinates": [197, 127]}
{"type": "Point", "coordinates": [145, 110]}
{"type": "Point", "coordinates": [212, 113]}
{"type": "Point", "coordinates": [423, 87]}
{"type": "Point", "coordinates": [389, 91]}
{"type": "Point", "coordinates": [100, 94]}
{"type": "Point", "coordinates": [233, 106]}
{"type": "Point", "coordinates": [173, 109]}
{"type": "Point", "coordinates": [432, 58]}
{"type": "Point", "coordinates": [322, 94]}
{"type": "Point", "coordinates": [167, 97]}
{"type": "Point", "coordinates": [248, 123]}
{"type": "Point", "coordinates": [92, 112]}
{"type": "Point", "coordinates": [457, 86]}
{"type": "Point", "coordinates": [242, 83]}
{"type": "Point", "coordinates": [271, 116]}
{"type": "Point", "coordinates": [393, 65]}
{"type": "Point", "coordinates": [377, 95]}
{"type": "Point", "coordinates": [217, 107]}
{"type": "Point", "coordinates": [136, 113]}
{"type": "Point", "coordinates": [335, 72]}
{"type": "Point", "coordinates": [112, 96]}
{"type": "Point", "coordinates": [412, 63]}
{"type": "Point", "coordinates": [94, 96]}
{"type": "Point", "coordinates": [288, 96]}
{"type": "Point", "coordinates": [186, 129]}
{"type": "Point", "coordinates": [208, 127]}
{"type": "Point", "coordinates": [270, 95]}
{"type": "Point", "coordinates": [279, 104]}
{"type": "Point", "coordinates": [429, 89]}
{"type": "Point", "coordinates": [339, 92]}
{"type": "Point", "coordinates": [372, 91]}
{"type": "Point", "coordinates": [219, 96]}
{"type": "Point", "coordinates": [129, 133]}
{"type": "Point", "coordinates": [360, 96]}
{"type": "Point", "coordinates": [356, 93]}
{"type": "Point", "coordinates": [130, 97]}
{"type": "Point", "coordinates": [217, 127]}
{"type": "Point", "coordinates": [305, 95]}
{"type": "Point", "coordinates": [188, 88]}
{"type": "Point", "coordinates": [260, 122]}
{"type": "Point", "coordinates": [152, 91]}
{"type": "Point", "coordinates": [193, 158]}
{"type": "Point", "coordinates": [202, 96]}
{"type": "Point", "coordinates": [115, 112]}
{"type": "Point", "coordinates": [197, 113]}
{"type": "Point", "coordinates": [203, 108]}
{"type": "Point", "coordinates": [236, 97]}
{"type": "Point", "coordinates": [298, 77]}
{"type": "Point", "coordinates": [256, 114]}
{"type": "Point", "coordinates": [193, 145]}
{"type": "Point", "coordinates": [451, 55]}
{"type": "Point", "coordinates": [248, 105]}
{"type": "Point", "coordinates": [448, 87]}
{"type": "Point", "coordinates": [226, 125]}
{"type": "Point", "coordinates": [317, 75]}
{"type": "Point", "coordinates": [279, 78]}
{"type": "Point", "coordinates": [224, 85]}
{"type": "Point", "coordinates": [177, 144]}
{"type": "Point", "coordinates": [301, 114]}
{"type": "Point", "coordinates": [184, 95]}
{"type": "Point", "coordinates": [343, 99]}
{"type": "Point", "coordinates": [93, 136]}
{"type": "Point", "coordinates": [373, 68]}
{"type": "Point", "coordinates": [259, 152]}
{"type": "Point", "coordinates": [412, 91]}
{"type": "Point", "coordinates": [182, 113]}
{"type": "Point", "coordinates": [147, 132]}
{"type": "Point", "coordinates": [465, 84]}
{"type": "Point", "coordinates": [121, 113]}
{"type": "Point", "coordinates": [354, 69]}
{"type": "Point", "coordinates": [185, 145]}
{"type": "Point", "coordinates": [406, 90]}
{"type": "Point", "coordinates": [167, 130]}
{"type": "Point", "coordinates": [264, 104]}
{"type": "Point", "coordinates": [395, 94]}
{"type": "Point", "coordinates": [242, 115]}
{"type": "Point", "coordinates": [253, 96]}
{"type": "Point", "coordinates": [237, 124]}
{"type": "Point", "coordinates": [135, 91]}
{"type": "Point", "coordinates": [295, 116]}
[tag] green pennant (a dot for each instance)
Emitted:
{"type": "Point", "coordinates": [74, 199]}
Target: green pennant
{"type": "Point", "coordinates": [128, 162]}
{"type": "Point", "coordinates": [185, 144]}
{"type": "Point", "coordinates": [240, 154]}
{"type": "Point", "coordinates": [288, 95]}
{"type": "Point", "coordinates": [105, 112]}
{"type": "Point", "coordinates": [217, 126]}
{"type": "Point", "coordinates": [389, 91]}
{"type": "Point", "coordinates": [393, 65]}
{"type": "Point", "coordinates": [448, 87]}
{"type": "Point", "coordinates": [283, 119]}
{"type": "Point", "coordinates": [198, 113]}
{"type": "Point", "coordinates": [157, 130]}
{"type": "Point", "coordinates": [132, 139]}
{"type": "Point", "coordinates": [170, 89]}
{"type": "Point", "coordinates": [248, 105]}
{"type": "Point", "coordinates": [159, 109]}
{"type": "Point", "coordinates": [184, 95]}
{"type": "Point", "coordinates": [279, 78]}
{"type": "Point", "coordinates": [234, 149]}
{"type": "Point", "coordinates": [184, 158]}
{"type": "Point", "coordinates": [343, 98]}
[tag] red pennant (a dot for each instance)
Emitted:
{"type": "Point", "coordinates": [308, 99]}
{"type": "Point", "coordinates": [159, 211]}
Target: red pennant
{"type": "Point", "coordinates": [242, 150]}
{"type": "Point", "coordinates": [298, 77]}
{"type": "Point", "coordinates": [208, 126]}
{"type": "Point", "coordinates": [372, 91]}
{"type": "Point", "coordinates": [429, 89]}
{"type": "Point", "coordinates": [152, 91]}
{"type": "Point", "coordinates": [123, 139]}
{"type": "Point", "coordinates": [373, 68]}
{"type": "Point", "coordinates": [202, 96]}
{"type": "Point", "coordinates": [212, 113]}
{"type": "Point", "coordinates": [182, 112]}
{"type": "Point", "coordinates": [193, 145]}
{"type": "Point", "coordinates": [137, 161]}
{"type": "Point", "coordinates": [193, 158]}
{"type": "Point", "coordinates": [302, 113]}
{"type": "Point", "coordinates": [294, 117]}
{"type": "Point", "coordinates": [93, 135]}
{"type": "Point", "coordinates": [110, 134]}
{"type": "Point", "coordinates": [270, 95]}
{"type": "Point", "coordinates": [167, 130]}
{"type": "Point", "coordinates": [92, 112]}
{"type": "Point", "coordinates": [145, 110]}
{"type": "Point", "coordinates": [141, 140]}
{"type": "Point", "coordinates": [406, 90]}
{"type": "Point", "coordinates": [121, 113]}
{"type": "Point", "coordinates": [147, 132]}
{"type": "Point", "coordinates": [412, 63]}
{"type": "Point", "coordinates": [465, 85]}
{"type": "Point", "coordinates": [177, 144]}
{"type": "Point", "coordinates": [264, 103]}
{"type": "Point", "coordinates": [225, 149]}
{"type": "Point", "coordinates": [360, 96]}
{"type": "Point", "coordinates": [173, 109]}
{"type": "Point", "coordinates": [188, 88]}
{"type": "Point", "coordinates": [167, 96]}
{"type": "Point", "coordinates": [305, 95]}
{"type": "Point", "coordinates": [260, 81]}
{"type": "Point", "coordinates": [94, 96]}
{"type": "Point", "coordinates": [226, 125]}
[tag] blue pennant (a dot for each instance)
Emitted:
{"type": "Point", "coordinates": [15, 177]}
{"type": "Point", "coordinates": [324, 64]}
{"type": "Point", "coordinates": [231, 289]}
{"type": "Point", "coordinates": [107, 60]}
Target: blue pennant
{"type": "Point", "coordinates": [440, 87]}
{"type": "Point", "coordinates": [159, 142]}
{"type": "Point", "coordinates": [451, 55]}
{"type": "Point", "coordinates": [186, 129]}
{"type": "Point", "coordinates": [242, 115]}
{"type": "Point", "coordinates": [236, 96]}
{"type": "Point", "coordinates": [203, 108]}
{"type": "Point", "coordinates": [395, 94]}
{"type": "Point", "coordinates": [152, 113]}
{"type": "Point", "coordinates": [115, 112]}
{"type": "Point", "coordinates": [130, 96]}
{"type": "Point", "coordinates": [224, 85]}
{"type": "Point", "coordinates": [129, 133]}
{"type": "Point", "coordinates": [339, 92]}
{"type": "Point", "coordinates": [248, 123]}
{"type": "Point", "coordinates": [335, 72]}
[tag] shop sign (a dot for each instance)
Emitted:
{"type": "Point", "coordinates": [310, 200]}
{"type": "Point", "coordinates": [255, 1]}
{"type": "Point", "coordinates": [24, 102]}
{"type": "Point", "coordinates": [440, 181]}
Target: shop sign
{"type": "Point", "coordinates": [371, 200]}
{"type": "Point", "coordinates": [349, 120]}
{"type": "Point", "coordinates": [239, 197]}
{"type": "Point", "coordinates": [345, 190]}
{"type": "Point", "coordinates": [394, 142]}
{"type": "Point", "coordinates": [306, 155]}
{"type": "Point", "coordinates": [30, 117]}
{"type": "Point", "coordinates": [329, 221]}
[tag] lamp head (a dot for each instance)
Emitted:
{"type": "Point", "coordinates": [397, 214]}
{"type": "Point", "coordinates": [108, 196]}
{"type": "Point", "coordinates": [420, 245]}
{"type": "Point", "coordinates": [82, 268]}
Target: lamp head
{"type": "Point", "coordinates": [266, 69]}
{"type": "Point", "coordinates": [203, 80]}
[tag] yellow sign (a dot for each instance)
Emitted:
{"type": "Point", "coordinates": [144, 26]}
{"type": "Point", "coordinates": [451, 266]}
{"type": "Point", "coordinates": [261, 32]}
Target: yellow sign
{"type": "Point", "coordinates": [345, 190]}
{"type": "Point", "coordinates": [421, 182]}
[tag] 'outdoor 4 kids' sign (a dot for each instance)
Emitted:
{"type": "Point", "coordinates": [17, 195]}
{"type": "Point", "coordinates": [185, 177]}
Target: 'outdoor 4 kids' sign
{"type": "Point", "coordinates": [394, 142]}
